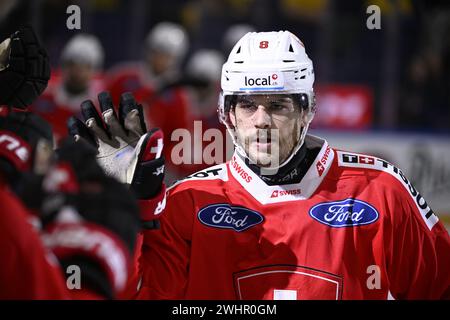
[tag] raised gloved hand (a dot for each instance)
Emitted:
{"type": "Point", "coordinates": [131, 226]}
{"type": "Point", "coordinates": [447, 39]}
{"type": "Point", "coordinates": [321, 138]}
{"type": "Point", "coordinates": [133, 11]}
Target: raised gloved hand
{"type": "Point", "coordinates": [89, 220]}
{"type": "Point", "coordinates": [126, 150]}
{"type": "Point", "coordinates": [24, 69]}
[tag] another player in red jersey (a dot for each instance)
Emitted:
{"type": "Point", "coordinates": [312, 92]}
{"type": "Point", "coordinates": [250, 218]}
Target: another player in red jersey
{"type": "Point", "coordinates": [203, 85]}
{"type": "Point", "coordinates": [154, 81]}
{"type": "Point", "coordinates": [289, 217]}
{"type": "Point", "coordinates": [80, 78]}
{"type": "Point", "coordinates": [59, 214]}
{"type": "Point", "coordinates": [165, 47]}
{"type": "Point", "coordinates": [29, 270]}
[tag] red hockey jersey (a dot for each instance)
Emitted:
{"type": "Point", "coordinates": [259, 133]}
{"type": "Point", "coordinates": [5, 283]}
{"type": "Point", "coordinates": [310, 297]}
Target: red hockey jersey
{"type": "Point", "coordinates": [353, 228]}
{"type": "Point", "coordinates": [56, 105]}
{"type": "Point", "coordinates": [28, 270]}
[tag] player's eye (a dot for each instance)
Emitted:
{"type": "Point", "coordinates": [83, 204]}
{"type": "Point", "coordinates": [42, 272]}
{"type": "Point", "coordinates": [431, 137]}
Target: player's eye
{"type": "Point", "coordinates": [281, 106]}
{"type": "Point", "coordinates": [277, 105]}
{"type": "Point", "coordinates": [246, 104]}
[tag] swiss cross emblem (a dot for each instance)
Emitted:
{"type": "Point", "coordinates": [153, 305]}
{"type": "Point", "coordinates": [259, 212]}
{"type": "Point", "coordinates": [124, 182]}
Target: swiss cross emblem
{"type": "Point", "coordinates": [157, 149]}
{"type": "Point", "coordinates": [320, 168]}
{"type": "Point", "coordinates": [366, 160]}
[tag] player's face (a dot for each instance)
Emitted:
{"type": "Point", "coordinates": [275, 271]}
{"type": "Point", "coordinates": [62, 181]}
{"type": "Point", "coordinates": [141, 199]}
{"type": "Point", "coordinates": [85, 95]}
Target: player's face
{"type": "Point", "coordinates": [43, 157]}
{"type": "Point", "coordinates": [77, 76]}
{"type": "Point", "coordinates": [267, 127]}
{"type": "Point", "coordinates": [159, 61]}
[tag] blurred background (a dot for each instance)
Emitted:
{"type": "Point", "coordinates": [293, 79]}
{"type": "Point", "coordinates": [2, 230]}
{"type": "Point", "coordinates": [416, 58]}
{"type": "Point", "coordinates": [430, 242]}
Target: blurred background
{"type": "Point", "coordinates": [384, 91]}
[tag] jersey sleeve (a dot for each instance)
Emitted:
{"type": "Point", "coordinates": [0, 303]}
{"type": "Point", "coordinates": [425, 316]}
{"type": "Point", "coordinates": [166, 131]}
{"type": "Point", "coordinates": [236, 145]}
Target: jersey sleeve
{"type": "Point", "coordinates": [28, 270]}
{"type": "Point", "coordinates": [419, 263]}
{"type": "Point", "coordinates": [164, 260]}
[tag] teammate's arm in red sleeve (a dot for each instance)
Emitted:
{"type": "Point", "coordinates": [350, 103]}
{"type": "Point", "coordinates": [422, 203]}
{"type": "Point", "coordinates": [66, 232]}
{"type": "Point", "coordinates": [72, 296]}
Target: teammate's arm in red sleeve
{"type": "Point", "coordinates": [420, 260]}
{"type": "Point", "coordinates": [165, 252]}
{"type": "Point", "coordinates": [27, 270]}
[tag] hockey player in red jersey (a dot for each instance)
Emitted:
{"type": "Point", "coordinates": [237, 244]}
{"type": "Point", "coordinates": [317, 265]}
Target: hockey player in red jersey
{"type": "Point", "coordinates": [203, 85]}
{"type": "Point", "coordinates": [80, 78]}
{"type": "Point", "coordinates": [154, 81]}
{"type": "Point", "coordinates": [289, 217]}
{"type": "Point", "coordinates": [29, 270]}
{"type": "Point", "coordinates": [57, 215]}
{"type": "Point", "coordinates": [165, 47]}
{"type": "Point", "coordinates": [89, 221]}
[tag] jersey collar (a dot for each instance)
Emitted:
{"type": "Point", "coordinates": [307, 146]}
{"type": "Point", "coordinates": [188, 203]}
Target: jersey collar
{"type": "Point", "coordinates": [266, 194]}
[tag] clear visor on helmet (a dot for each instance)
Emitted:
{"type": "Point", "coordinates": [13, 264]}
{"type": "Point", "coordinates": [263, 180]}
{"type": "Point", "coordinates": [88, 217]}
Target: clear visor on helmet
{"type": "Point", "coordinates": [275, 104]}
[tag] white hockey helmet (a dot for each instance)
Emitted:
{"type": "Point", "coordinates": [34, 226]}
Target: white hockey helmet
{"type": "Point", "coordinates": [205, 64]}
{"type": "Point", "coordinates": [84, 48]}
{"type": "Point", "coordinates": [170, 38]}
{"type": "Point", "coordinates": [268, 63]}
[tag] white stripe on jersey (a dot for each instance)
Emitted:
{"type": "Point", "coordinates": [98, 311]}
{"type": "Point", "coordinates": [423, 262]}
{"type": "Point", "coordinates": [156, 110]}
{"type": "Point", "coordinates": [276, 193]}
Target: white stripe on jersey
{"type": "Point", "coordinates": [357, 160]}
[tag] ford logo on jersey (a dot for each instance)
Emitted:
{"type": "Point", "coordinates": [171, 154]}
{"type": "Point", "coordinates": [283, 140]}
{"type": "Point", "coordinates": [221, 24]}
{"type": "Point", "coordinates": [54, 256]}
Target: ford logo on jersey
{"type": "Point", "coordinates": [225, 216]}
{"type": "Point", "coordinates": [346, 213]}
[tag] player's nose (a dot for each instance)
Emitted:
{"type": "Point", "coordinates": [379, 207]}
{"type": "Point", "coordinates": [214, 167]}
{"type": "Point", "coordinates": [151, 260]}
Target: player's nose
{"type": "Point", "coordinates": [261, 118]}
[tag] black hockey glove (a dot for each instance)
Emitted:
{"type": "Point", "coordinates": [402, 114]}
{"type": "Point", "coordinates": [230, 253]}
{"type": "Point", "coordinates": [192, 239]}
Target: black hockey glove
{"type": "Point", "coordinates": [90, 220]}
{"type": "Point", "coordinates": [24, 69]}
{"type": "Point", "coordinates": [126, 150]}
